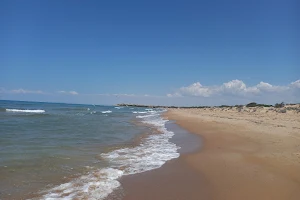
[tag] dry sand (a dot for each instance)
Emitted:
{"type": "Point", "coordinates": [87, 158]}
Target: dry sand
{"type": "Point", "coordinates": [248, 153]}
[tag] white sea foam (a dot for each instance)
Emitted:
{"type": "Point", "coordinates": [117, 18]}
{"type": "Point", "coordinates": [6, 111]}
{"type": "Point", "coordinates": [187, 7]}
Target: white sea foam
{"type": "Point", "coordinates": [107, 111]}
{"type": "Point", "coordinates": [25, 111]}
{"type": "Point", "coordinates": [152, 153]}
{"type": "Point", "coordinates": [141, 112]}
{"type": "Point", "coordinates": [118, 107]}
{"type": "Point", "coordinates": [145, 116]}
{"type": "Point", "coordinates": [151, 111]}
{"type": "Point", "coordinates": [94, 185]}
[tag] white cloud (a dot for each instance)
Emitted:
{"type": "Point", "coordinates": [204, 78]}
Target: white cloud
{"type": "Point", "coordinates": [122, 95]}
{"type": "Point", "coordinates": [176, 94]}
{"type": "Point", "coordinates": [126, 95]}
{"type": "Point", "coordinates": [22, 91]}
{"type": "Point", "coordinates": [236, 85]}
{"type": "Point", "coordinates": [233, 88]}
{"type": "Point", "coordinates": [196, 89]}
{"type": "Point", "coordinates": [230, 93]}
{"type": "Point", "coordinates": [68, 92]}
{"type": "Point", "coordinates": [252, 90]}
{"type": "Point", "coordinates": [296, 84]}
{"type": "Point", "coordinates": [73, 92]}
{"type": "Point", "coordinates": [266, 87]}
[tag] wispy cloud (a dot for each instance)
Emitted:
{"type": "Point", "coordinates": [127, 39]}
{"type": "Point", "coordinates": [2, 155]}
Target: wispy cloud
{"type": "Point", "coordinates": [68, 92]}
{"type": "Point", "coordinates": [117, 95]}
{"type": "Point", "coordinates": [23, 91]}
{"type": "Point", "coordinates": [126, 95]}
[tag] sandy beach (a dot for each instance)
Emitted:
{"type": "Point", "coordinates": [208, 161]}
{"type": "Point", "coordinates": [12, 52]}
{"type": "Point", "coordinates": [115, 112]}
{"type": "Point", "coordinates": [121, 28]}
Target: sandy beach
{"type": "Point", "coordinates": [248, 153]}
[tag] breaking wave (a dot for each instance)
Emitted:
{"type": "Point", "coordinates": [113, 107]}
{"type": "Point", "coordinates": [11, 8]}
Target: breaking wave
{"type": "Point", "coordinates": [152, 153]}
{"type": "Point", "coordinates": [25, 111]}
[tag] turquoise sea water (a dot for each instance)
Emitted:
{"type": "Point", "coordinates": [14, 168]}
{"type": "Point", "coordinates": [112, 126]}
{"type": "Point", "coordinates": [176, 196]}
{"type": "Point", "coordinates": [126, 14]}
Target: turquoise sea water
{"type": "Point", "coordinates": [66, 151]}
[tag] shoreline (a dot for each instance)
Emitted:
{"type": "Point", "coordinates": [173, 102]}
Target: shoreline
{"type": "Point", "coordinates": [173, 180]}
{"type": "Point", "coordinates": [242, 159]}
{"type": "Point", "coordinates": [150, 127]}
{"type": "Point", "coordinates": [248, 154]}
{"type": "Point", "coordinates": [245, 155]}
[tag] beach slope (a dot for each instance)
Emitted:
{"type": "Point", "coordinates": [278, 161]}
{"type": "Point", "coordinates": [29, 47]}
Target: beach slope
{"type": "Point", "coordinates": [248, 153]}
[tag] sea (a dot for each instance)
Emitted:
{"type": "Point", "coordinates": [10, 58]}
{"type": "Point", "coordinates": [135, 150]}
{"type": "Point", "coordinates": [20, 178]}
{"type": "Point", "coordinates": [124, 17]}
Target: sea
{"type": "Point", "coordinates": [73, 151]}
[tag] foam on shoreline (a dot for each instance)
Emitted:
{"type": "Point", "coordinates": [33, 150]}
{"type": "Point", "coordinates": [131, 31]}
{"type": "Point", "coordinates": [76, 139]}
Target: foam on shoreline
{"type": "Point", "coordinates": [152, 153]}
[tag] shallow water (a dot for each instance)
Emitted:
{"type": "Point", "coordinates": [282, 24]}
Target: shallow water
{"type": "Point", "coordinates": [52, 150]}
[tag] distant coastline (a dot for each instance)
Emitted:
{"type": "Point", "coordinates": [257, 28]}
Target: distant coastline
{"type": "Point", "coordinates": [278, 106]}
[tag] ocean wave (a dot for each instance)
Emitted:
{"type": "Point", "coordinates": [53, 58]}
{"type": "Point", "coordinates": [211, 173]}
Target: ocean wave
{"type": "Point", "coordinates": [152, 153]}
{"type": "Point", "coordinates": [141, 112]}
{"type": "Point", "coordinates": [72, 109]}
{"type": "Point", "coordinates": [107, 111]}
{"type": "Point", "coordinates": [145, 116]}
{"type": "Point", "coordinates": [25, 111]}
{"type": "Point", "coordinates": [118, 107]}
{"type": "Point", "coordinates": [97, 184]}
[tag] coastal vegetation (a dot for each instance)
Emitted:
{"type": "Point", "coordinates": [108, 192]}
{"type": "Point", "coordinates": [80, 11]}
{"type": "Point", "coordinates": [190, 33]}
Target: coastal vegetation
{"type": "Point", "coordinates": [249, 105]}
{"type": "Point", "coordinates": [279, 105]}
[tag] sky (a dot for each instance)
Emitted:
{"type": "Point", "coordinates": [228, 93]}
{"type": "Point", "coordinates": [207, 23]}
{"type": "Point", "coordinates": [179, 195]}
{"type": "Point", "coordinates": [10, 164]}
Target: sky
{"type": "Point", "coordinates": [150, 52]}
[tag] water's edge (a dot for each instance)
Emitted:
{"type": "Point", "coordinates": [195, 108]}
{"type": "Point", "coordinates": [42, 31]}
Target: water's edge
{"type": "Point", "coordinates": [152, 152]}
{"type": "Point", "coordinates": [158, 142]}
{"type": "Point", "coordinates": [175, 173]}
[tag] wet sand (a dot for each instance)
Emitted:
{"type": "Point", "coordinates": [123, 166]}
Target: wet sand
{"type": "Point", "coordinates": [171, 180]}
{"type": "Point", "coordinates": [175, 180]}
{"type": "Point", "coordinates": [240, 159]}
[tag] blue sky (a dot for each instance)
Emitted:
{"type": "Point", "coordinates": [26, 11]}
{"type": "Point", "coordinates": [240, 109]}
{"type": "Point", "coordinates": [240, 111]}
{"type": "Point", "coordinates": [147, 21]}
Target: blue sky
{"type": "Point", "coordinates": [105, 52]}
